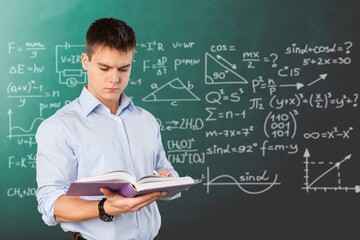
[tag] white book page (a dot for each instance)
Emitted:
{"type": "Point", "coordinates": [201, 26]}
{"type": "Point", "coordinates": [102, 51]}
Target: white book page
{"type": "Point", "coordinates": [159, 179]}
{"type": "Point", "coordinates": [164, 182]}
{"type": "Point", "coordinates": [115, 176]}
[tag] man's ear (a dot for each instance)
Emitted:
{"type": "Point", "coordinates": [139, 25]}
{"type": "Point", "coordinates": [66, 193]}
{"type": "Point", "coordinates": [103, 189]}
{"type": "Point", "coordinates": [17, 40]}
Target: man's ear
{"type": "Point", "coordinates": [84, 61]}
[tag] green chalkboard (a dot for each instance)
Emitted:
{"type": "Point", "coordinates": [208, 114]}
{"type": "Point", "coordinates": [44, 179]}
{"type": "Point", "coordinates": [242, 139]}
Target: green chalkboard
{"type": "Point", "coordinates": [258, 100]}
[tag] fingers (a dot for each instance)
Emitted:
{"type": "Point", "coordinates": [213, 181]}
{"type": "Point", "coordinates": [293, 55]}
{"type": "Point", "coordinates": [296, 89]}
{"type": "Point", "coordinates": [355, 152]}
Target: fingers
{"type": "Point", "coordinates": [107, 193]}
{"type": "Point", "coordinates": [165, 172]}
{"type": "Point", "coordinates": [147, 199]}
{"type": "Point", "coordinates": [118, 204]}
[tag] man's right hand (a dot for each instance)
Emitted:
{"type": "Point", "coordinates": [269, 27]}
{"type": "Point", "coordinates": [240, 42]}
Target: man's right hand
{"type": "Point", "coordinates": [117, 204]}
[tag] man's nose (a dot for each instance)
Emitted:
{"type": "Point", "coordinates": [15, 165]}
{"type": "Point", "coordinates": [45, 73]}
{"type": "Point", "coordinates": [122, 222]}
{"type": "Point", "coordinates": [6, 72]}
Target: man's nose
{"type": "Point", "coordinates": [115, 76]}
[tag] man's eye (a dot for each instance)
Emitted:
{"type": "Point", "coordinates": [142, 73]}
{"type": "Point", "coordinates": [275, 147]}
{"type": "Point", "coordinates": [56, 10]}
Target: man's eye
{"type": "Point", "coordinates": [104, 69]}
{"type": "Point", "coordinates": [123, 69]}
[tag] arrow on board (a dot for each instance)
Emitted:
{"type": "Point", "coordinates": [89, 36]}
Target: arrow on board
{"type": "Point", "coordinates": [10, 127]}
{"type": "Point", "coordinates": [321, 77]}
{"type": "Point", "coordinates": [297, 85]}
{"type": "Point", "coordinates": [233, 66]}
{"type": "Point", "coordinates": [306, 154]}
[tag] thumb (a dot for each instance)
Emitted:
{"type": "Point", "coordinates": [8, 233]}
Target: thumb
{"type": "Point", "coordinates": [107, 193]}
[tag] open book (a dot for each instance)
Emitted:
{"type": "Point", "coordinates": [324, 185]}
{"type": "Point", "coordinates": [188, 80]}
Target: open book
{"type": "Point", "coordinates": [125, 184]}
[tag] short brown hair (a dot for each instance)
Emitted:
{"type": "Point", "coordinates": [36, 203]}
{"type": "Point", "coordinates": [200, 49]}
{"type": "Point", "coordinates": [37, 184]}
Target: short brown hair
{"type": "Point", "coordinates": [112, 33]}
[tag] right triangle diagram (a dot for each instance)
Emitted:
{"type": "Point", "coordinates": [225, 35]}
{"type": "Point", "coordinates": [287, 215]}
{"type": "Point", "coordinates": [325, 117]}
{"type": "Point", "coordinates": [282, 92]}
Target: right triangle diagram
{"type": "Point", "coordinates": [217, 72]}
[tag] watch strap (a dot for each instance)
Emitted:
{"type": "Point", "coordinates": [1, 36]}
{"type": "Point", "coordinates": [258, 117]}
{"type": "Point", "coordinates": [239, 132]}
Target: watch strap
{"type": "Point", "coordinates": [102, 214]}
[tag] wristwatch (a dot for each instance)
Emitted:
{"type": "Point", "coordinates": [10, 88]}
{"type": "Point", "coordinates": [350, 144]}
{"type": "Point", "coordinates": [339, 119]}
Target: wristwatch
{"type": "Point", "coordinates": [102, 214]}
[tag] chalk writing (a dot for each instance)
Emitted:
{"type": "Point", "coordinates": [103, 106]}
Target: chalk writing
{"type": "Point", "coordinates": [235, 102]}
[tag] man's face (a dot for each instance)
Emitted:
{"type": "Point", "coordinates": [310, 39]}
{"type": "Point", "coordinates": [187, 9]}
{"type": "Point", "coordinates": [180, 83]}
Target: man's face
{"type": "Point", "coordinates": [108, 74]}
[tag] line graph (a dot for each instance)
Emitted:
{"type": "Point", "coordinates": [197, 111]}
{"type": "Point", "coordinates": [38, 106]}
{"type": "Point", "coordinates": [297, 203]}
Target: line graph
{"type": "Point", "coordinates": [314, 185]}
{"type": "Point", "coordinates": [17, 131]}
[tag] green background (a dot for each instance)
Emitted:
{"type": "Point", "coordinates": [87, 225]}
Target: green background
{"type": "Point", "coordinates": [244, 47]}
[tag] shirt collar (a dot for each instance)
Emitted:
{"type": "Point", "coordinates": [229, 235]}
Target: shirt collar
{"type": "Point", "coordinates": [125, 103]}
{"type": "Point", "coordinates": [88, 102]}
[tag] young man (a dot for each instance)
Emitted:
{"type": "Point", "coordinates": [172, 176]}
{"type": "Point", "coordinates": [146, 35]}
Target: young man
{"type": "Point", "coordinates": [101, 131]}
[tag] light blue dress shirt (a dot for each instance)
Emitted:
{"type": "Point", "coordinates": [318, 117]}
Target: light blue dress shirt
{"type": "Point", "coordinates": [84, 139]}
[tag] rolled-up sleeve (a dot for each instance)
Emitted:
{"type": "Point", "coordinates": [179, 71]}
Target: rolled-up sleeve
{"type": "Point", "coordinates": [54, 168]}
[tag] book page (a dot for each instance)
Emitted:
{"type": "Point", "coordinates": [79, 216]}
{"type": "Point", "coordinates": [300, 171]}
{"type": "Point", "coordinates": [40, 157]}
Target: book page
{"type": "Point", "coordinates": [152, 183]}
{"type": "Point", "coordinates": [160, 179]}
{"type": "Point", "coordinates": [151, 178]}
{"type": "Point", "coordinates": [115, 176]}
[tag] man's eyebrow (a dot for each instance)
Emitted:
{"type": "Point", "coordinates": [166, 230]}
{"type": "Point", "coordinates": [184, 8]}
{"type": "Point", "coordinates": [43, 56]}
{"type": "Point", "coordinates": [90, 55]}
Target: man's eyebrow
{"type": "Point", "coordinates": [125, 66]}
{"type": "Point", "coordinates": [105, 65]}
